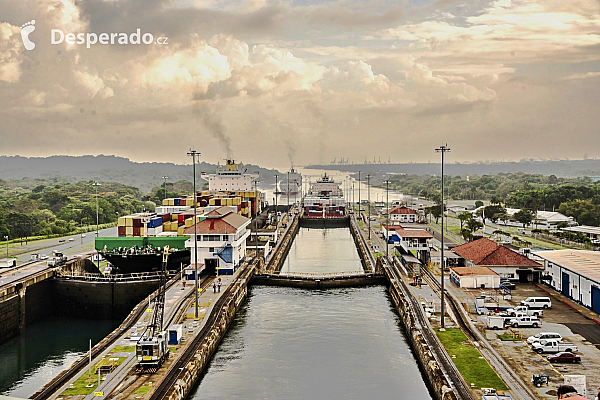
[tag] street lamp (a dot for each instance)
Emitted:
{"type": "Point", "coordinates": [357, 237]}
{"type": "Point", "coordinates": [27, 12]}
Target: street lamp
{"type": "Point", "coordinates": [165, 185]}
{"type": "Point", "coordinates": [387, 217]}
{"type": "Point", "coordinates": [443, 150]}
{"type": "Point", "coordinates": [255, 218]}
{"type": "Point", "coordinates": [96, 184]}
{"type": "Point", "coordinates": [369, 201]}
{"type": "Point", "coordinates": [359, 213]}
{"type": "Point", "coordinates": [6, 238]}
{"type": "Point", "coordinates": [276, 207]}
{"type": "Point", "coordinates": [193, 153]}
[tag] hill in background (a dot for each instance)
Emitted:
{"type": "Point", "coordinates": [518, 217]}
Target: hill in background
{"type": "Point", "coordinates": [110, 169]}
{"type": "Point", "coordinates": [560, 168]}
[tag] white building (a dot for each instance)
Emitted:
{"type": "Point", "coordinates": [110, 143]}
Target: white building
{"type": "Point", "coordinates": [593, 232]}
{"type": "Point", "coordinates": [221, 238]}
{"type": "Point", "coordinates": [475, 277]}
{"type": "Point", "coordinates": [574, 273]}
{"type": "Point", "coordinates": [542, 220]}
{"type": "Point", "coordinates": [402, 214]}
{"type": "Point", "coordinates": [230, 177]}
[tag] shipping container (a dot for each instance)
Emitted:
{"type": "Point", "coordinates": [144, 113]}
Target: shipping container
{"type": "Point", "coordinates": [128, 231]}
{"type": "Point", "coordinates": [121, 221]}
{"type": "Point", "coordinates": [137, 222]}
{"type": "Point", "coordinates": [137, 231]}
{"type": "Point", "coordinates": [121, 230]}
{"type": "Point", "coordinates": [129, 221]}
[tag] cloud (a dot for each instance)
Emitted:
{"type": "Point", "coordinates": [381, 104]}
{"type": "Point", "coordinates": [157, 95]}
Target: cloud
{"type": "Point", "coordinates": [11, 50]}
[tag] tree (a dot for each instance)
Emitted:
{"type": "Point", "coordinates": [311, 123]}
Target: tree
{"type": "Point", "coordinates": [473, 225]}
{"type": "Point", "coordinates": [523, 216]}
{"type": "Point", "coordinates": [494, 212]}
{"type": "Point", "coordinates": [436, 211]}
{"type": "Point", "coordinates": [464, 217]}
{"type": "Point", "coordinates": [478, 203]}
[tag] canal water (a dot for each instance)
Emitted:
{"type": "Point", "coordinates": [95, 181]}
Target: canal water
{"type": "Point", "coordinates": [288, 343]}
{"type": "Point", "coordinates": [48, 347]}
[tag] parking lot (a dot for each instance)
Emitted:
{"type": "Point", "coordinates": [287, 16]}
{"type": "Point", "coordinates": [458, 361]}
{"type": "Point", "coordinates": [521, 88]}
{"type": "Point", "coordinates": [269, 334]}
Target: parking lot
{"type": "Point", "coordinates": [573, 325]}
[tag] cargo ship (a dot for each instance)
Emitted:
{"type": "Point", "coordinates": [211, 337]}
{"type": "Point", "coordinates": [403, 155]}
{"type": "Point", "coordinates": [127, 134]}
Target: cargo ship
{"type": "Point", "coordinates": [324, 199]}
{"type": "Point", "coordinates": [291, 183]}
{"type": "Point", "coordinates": [130, 255]}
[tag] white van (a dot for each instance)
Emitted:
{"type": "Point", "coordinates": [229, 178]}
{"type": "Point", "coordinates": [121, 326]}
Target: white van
{"type": "Point", "coordinates": [544, 336]}
{"type": "Point", "coordinates": [537, 302]}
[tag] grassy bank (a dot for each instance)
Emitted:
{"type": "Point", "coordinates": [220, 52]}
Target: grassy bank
{"type": "Point", "coordinates": [473, 367]}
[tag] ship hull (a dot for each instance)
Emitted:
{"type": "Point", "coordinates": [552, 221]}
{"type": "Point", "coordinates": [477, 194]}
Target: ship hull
{"type": "Point", "coordinates": [136, 263]}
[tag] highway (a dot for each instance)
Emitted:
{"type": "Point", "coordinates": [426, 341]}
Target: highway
{"type": "Point", "coordinates": [79, 245]}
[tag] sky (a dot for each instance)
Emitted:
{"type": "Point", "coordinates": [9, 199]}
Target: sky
{"type": "Point", "coordinates": [307, 81]}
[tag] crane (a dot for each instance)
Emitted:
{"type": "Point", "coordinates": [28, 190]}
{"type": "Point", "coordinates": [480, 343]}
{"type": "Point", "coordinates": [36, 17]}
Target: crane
{"type": "Point", "coordinates": [151, 349]}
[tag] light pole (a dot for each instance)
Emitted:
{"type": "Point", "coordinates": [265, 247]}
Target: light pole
{"type": "Point", "coordinates": [255, 218]}
{"type": "Point", "coordinates": [276, 208]}
{"type": "Point", "coordinates": [387, 217]}
{"type": "Point", "coordinates": [443, 150]}
{"type": "Point", "coordinates": [165, 186]}
{"type": "Point", "coordinates": [96, 184]}
{"type": "Point", "coordinates": [369, 201]}
{"type": "Point", "coordinates": [288, 190]}
{"type": "Point", "coordinates": [193, 153]}
{"type": "Point", "coordinates": [359, 213]}
{"type": "Point", "coordinates": [6, 238]}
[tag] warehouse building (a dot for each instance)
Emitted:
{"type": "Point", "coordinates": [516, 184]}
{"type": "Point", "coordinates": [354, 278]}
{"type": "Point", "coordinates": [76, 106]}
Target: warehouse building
{"type": "Point", "coordinates": [575, 274]}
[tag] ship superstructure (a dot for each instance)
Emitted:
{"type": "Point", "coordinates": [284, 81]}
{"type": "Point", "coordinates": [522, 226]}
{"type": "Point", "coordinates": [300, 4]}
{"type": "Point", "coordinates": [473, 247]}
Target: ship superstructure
{"type": "Point", "coordinates": [291, 183]}
{"type": "Point", "coordinates": [324, 199]}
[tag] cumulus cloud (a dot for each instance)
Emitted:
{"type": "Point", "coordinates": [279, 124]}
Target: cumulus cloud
{"type": "Point", "coordinates": [301, 77]}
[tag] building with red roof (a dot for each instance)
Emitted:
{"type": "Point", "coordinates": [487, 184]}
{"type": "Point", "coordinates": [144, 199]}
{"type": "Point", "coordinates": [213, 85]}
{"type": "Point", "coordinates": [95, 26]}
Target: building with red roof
{"type": "Point", "coordinates": [221, 236]}
{"type": "Point", "coordinates": [402, 214]}
{"type": "Point", "coordinates": [509, 264]}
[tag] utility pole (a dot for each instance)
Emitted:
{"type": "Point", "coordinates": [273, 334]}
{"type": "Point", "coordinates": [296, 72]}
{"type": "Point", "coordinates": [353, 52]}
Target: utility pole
{"type": "Point", "coordinates": [276, 208]}
{"type": "Point", "coordinates": [165, 189]}
{"type": "Point", "coordinates": [359, 194]}
{"type": "Point", "coordinates": [96, 184]}
{"type": "Point", "coordinates": [369, 201]}
{"type": "Point", "coordinates": [255, 230]}
{"type": "Point", "coordinates": [193, 153]}
{"type": "Point", "coordinates": [387, 217]}
{"type": "Point", "coordinates": [442, 149]}
{"type": "Point", "coordinates": [288, 190]}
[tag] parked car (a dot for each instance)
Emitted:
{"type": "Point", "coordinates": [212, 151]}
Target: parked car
{"type": "Point", "coordinates": [553, 346]}
{"type": "Point", "coordinates": [61, 240]}
{"type": "Point", "coordinates": [507, 284]}
{"type": "Point", "coordinates": [44, 257]}
{"type": "Point", "coordinates": [526, 310]}
{"type": "Point", "coordinates": [537, 302]}
{"type": "Point", "coordinates": [525, 321]}
{"type": "Point", "coordinates": [564, 357]}
{"type": "Point", "coordinates": [544, 336]}
{"type": "Point", "coordinates": [71, 240]}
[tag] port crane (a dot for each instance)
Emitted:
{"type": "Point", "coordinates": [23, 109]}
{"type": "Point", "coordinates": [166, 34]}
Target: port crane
{"type": "Point", "coordinates": [151, 349]}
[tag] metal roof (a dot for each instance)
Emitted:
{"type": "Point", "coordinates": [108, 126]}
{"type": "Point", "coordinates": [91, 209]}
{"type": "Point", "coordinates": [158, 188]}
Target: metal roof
{"type": "Point", "coordinates": [583, 262]}
{"type": "Point", "coordinates": [584, 229]}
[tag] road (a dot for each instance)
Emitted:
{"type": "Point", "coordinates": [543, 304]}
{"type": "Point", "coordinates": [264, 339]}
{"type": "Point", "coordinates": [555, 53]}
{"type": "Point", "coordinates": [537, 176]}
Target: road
{"type": "Point", "coordinates": [79, 245]}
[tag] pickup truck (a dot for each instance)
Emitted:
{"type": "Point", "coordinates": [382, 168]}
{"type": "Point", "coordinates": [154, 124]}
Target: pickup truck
{"type": "Point", "coordinates": [525, 321]}
{"type": "Point", "coordinates": [553, 346]}
{"type": "Point", "coordinates": [526, 310]}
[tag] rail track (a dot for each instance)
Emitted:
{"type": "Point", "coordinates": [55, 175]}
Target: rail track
{"type": "Point", "coordinates": [129, 322]}
{"type": "Point", "coordinates": [506, 373]}
{"type": "Point", "coordinates": [177, 368]}
{"type": "Point", "coordinates": [462, 390]}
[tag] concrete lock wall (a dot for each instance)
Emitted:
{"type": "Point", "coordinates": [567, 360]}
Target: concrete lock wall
{"type": "Point", "coordinates": [104, 300]}
{"type": "Point", "coordinates": [193, 369]}
{"type": "Point", "coordinates": [429, 365]}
